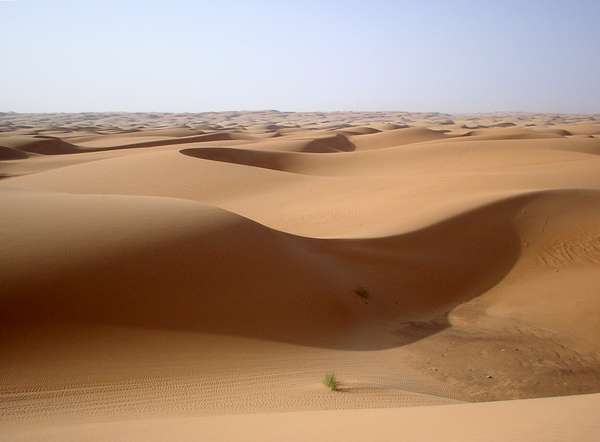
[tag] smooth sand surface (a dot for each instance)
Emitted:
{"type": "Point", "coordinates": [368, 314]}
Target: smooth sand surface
{"type": "Point", "coordinates": [196, 275]}
{"type": "Point", "coordinates": [572, 418]}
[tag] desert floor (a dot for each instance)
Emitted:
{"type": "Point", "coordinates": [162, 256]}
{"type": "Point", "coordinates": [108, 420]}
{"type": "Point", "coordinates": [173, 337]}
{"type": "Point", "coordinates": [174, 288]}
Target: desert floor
{"type": "Point", "coordinates": [175, 276]}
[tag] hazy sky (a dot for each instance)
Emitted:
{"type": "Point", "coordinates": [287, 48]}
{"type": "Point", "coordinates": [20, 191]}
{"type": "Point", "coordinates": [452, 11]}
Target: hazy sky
{"type": "Point", "coordinates": [193, 56]}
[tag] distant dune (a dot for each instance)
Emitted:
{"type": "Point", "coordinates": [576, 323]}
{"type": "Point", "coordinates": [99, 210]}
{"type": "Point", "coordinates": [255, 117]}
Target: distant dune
{"type": "Point", "coordinates": [190, 275]}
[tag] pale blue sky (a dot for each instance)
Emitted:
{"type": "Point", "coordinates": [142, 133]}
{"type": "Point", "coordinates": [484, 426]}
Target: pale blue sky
{"type": "Point", "coordinates": [193, 56]}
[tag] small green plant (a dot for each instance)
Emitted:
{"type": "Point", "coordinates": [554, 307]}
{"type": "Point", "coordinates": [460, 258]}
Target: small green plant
{"type": "Point", "coordinates": [362, 292]}
{"type": "Point", "coordinates": [331, 382]}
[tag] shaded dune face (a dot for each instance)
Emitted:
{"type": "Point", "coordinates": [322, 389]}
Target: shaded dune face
{"type": "Point", "coordinates": [8, 153]}
{"type": "Point", "coordinates": [232, 276]}
{"type": "Point", "coordinates": [37, 144]}
{"type": "Point", "coordinates": [217, 272]}
{"type": "Point", "coordinates": [254, 158]}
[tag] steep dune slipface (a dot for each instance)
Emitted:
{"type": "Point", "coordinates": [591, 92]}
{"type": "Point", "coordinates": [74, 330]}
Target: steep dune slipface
{"type": "Point", "coordinates": [211, 268]}
{"type": "Point", "coordinates": [8, 153]}
{"type": "Point", "coordinates": [37, 145]}
{"type": "Point", "coordinates": [118, 271]}
{"type": "Point", "coordinates": [200, 268]}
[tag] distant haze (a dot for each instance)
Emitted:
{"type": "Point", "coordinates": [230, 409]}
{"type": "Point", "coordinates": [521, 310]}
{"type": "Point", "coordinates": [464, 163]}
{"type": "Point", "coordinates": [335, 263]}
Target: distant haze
{"type": "Point", "coordinates": [448, 56]}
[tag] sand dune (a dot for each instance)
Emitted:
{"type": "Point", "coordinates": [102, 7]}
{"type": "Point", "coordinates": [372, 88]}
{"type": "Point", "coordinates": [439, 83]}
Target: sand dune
{"type": "Point", "coordinates": [327, 301]}
{"type": "Point", "coordinates": [179, 266]}
{"type": "Point", "coordinates": [516, 133]}
{"type": "Point", "coordinates": [397, 137]}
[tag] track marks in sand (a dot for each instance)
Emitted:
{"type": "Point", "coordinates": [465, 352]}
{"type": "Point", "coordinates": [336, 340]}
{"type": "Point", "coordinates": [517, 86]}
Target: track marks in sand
{"type": "Point", "coordinates": [227, 392]}
{"type": "Point", "coordinates": [198, 374]}
{"type": "Point", "coordinates": [580, 250]}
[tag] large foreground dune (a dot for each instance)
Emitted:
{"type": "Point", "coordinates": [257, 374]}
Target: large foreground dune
{"type": "Point", "coordinates": [189, 275]}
